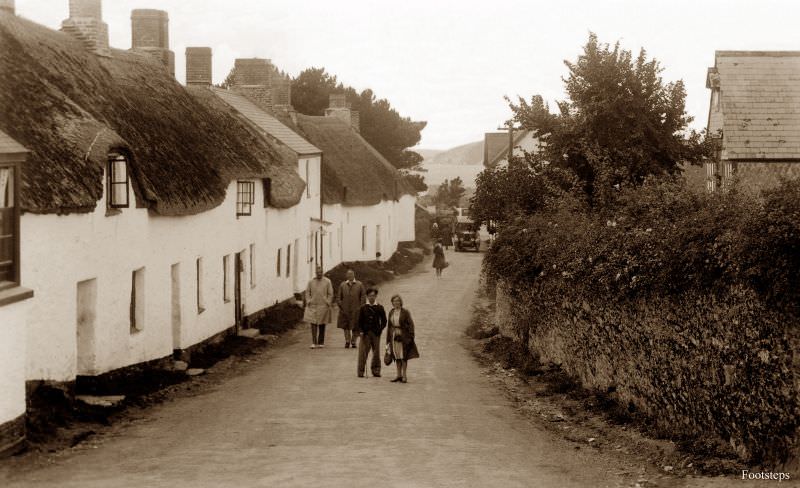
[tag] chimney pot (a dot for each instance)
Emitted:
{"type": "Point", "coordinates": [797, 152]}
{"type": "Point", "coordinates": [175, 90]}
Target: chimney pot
{"type": "Point", "coordinates": [198, 66]}
{"type": "Point", "coordinates": [7, 6]}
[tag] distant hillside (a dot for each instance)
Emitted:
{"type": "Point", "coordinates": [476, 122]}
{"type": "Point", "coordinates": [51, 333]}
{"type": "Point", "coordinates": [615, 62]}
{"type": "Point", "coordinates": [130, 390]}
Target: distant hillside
{"type": "Point", "coordinates": [467, 154]}
{"type": "Point", "coordinates": [428, 154]}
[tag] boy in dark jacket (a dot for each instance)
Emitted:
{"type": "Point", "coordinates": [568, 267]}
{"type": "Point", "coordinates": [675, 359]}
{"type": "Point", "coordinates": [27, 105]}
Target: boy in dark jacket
{"type": "Point", "coordinates": [371, 322]}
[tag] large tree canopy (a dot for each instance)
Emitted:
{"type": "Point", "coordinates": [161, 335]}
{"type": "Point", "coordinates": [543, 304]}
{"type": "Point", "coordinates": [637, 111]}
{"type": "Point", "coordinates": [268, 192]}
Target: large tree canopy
{"type": "Point", "coordinates": [381, 125]}
{"type": "Point", "coordinates": [620, 124]}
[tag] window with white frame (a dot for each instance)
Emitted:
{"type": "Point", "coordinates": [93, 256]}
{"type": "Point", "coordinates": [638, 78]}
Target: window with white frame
{"type": "Point", "coordinates": [137, 301]}
{"type": "Point", "coordinates": [245, 197]}
{"type": "Point", "coordinates": [308, 178]}
{"type": "Point", "coordinates": [9, 226]}
{"type": "Point", "coordinates": [118, 181]}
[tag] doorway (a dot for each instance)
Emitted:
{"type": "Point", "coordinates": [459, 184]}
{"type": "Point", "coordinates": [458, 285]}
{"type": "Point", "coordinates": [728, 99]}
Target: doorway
{"type": "Point", "coordinates": [86, 318]}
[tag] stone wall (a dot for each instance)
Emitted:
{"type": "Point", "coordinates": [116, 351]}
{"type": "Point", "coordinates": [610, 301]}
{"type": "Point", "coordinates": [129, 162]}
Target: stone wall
{"type": "Point", "coordinates": [697, 365]}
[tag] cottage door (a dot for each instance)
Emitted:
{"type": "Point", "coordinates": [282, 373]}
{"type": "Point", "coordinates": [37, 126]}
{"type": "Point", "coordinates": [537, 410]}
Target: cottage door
{"type": "Point", "coordinates": [237, 289]}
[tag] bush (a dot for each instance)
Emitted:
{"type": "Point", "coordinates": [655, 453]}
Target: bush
{"type": "Point", "coordinates": [684, 303]}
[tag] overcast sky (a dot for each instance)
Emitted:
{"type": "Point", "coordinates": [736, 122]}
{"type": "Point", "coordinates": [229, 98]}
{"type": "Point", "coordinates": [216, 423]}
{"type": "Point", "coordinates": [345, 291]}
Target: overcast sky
{"type": "Point", "coordinates": [451, 62]}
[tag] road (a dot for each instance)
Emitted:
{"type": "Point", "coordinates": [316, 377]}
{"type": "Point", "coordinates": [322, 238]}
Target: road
{"type": "Point", "coordinates": [301, 418]}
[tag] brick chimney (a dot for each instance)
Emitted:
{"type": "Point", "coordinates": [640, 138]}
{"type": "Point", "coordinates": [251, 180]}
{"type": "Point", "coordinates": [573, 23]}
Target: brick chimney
{"type": "Point", "coordinates": [150, 34]}
{"type": "Point", "coordinates": [198, 66]}
{"type": "Point", "coordinates": [85, 23]}
{"type": "Point", "coordinates": [253, 79]}
{"type": "Point", "coordinates": [281, 92]}
{"type": "Point", "coordinates": [7, 6]}
{"type": "Point", "coordinates": [339, 107]}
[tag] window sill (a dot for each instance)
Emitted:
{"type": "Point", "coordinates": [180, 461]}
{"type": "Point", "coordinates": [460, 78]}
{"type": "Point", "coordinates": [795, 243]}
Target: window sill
{"type": "Point", "coordinates": [14, 295]}
{"type": "Point", "coordinates": [200, 310]}
{"type": "Point", "coordinates": [110, 212]}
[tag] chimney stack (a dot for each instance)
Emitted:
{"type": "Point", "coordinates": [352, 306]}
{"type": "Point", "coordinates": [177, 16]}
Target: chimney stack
{"type": "Point", "coordinates": [7, 6]}
{"type": "Point", "coordinates": [253, 79]}
{"type": "Point", "coordinates": [198, 66]}
{"type": "Point", "coordinates": [339, 107]}
{"type": "Point", "coordinates": [150, 34]}
{"type": "Point", "coordinates": [85, 23]}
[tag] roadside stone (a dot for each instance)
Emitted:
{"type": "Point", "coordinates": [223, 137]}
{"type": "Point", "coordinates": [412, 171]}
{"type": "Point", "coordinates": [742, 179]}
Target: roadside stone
{"type": "Point", "coordinates": [249, 333]}
{"type": "Point", "coordinates": [109, 401]}
{"type": "Point", "coordinates": [195, 371]}
{"type": "Point", "coordinates": [180, 366]}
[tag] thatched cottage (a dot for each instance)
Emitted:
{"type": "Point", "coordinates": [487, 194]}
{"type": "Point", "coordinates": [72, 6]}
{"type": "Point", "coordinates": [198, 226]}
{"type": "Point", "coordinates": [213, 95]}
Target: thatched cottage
{"type": "Point", "coordinates": [143, 227]}
{"type": "Point", "coordinates": [754, 114]}
{"type": "Point", "coordinates": [148, 217]}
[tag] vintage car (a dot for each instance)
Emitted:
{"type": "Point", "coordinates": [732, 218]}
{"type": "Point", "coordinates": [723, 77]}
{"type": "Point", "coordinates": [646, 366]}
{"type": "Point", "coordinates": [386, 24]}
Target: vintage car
{"type": "Point", "coordinates": [466, 236]}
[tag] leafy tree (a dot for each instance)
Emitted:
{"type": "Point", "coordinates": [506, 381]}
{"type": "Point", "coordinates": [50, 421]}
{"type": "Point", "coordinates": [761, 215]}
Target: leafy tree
{"type": "Point", "coordinates": [416, 181]}
{"type": "Point", "coordinates": [449, 193]}
{"type": "Point", "coordinates": [381, 125]}
{"type": "Point", "coordinates": [620, 124]}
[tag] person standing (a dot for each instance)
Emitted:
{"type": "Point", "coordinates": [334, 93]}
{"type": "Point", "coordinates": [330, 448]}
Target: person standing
{"type": "Point", "coordinates": [439, 262]}
{"type": "Point", "coordinates": [350, 298]}
{"type": "Point", "coordinates": [400, 338]}
{"type": "Point", "coordinates": [319, 300]}
{"type": "Point", "coordinates": [371, 321]}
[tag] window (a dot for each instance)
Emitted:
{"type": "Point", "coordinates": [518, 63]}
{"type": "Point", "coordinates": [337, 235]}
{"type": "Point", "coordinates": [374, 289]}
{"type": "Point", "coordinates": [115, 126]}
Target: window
{"type": "Point", "coordinates": [9, 227]}
{"type": "Point", "coordinates": [226, 261]}
{"type": "Point", "coordinates": [267, 190]}
{"type": "Point", "coordinates": [137, 301]}
{"type": "Point", "coordinates": [278, 264]}
{"type": "Point", "coordinates": [363, 237]}
{"type": "Point", "coordinates": [117, 181]}
{"type": "Point", "coordinates": [308, 179]}
{"type": "Point", "coordinates": [245, 197]}
{"type": "Point", "coordinates": [252, 265]}
{"type": "Point", "coordinates": [200, 305]}
{"type": "Point", "coordinates": [289, 260]}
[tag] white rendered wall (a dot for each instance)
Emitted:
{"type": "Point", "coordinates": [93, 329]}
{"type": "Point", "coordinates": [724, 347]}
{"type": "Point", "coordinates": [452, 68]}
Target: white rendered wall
{"type": "Point", "coordinates": [12, 360]}
{"type": "Point", "coordinates": [60, 251]}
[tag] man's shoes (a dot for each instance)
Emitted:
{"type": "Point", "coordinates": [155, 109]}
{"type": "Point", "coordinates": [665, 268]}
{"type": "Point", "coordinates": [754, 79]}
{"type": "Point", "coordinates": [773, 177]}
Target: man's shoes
{"type": "Point", "coordinates": [397, 380]}
{"type": "Point", "coordinates": [376, 375]}
{"type": "Point", "coordinates": [347, 345]}
{"type": "Point", "coordinates": [361, 376]}
{"type": "Point", "coordinates": [320, 346]}
{"type": "Point", "coordinates": [313, 346]}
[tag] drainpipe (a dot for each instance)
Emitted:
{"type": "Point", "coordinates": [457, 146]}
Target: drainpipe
{"type": "Point", "coordinates": [321, 224]}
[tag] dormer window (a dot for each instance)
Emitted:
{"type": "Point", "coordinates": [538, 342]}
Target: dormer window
{"type": "Point", "coordinates": [245, 197]}
{"type": "Point", "coordinates": [118, 181]}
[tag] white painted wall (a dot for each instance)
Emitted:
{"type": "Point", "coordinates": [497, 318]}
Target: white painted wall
{"type": "Point", "coordinates": [60, 251]}
{"type": "Point", "coordinates": [12, 360]}
{"type": "Point", "coordinates": [529, 144]}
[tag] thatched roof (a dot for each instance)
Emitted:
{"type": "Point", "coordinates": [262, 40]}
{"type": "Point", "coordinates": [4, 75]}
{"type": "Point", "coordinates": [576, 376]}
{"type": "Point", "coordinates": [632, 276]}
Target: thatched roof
{"type": "Point", "coordinates": [71, 107]}
{"type": "Point", "coordinates": [350, 162]}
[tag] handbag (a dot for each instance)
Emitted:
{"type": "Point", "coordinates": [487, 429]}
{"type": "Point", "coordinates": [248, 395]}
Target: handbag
{"type": "Point", "coordinates": [446, 264]}
{"type": "Point", "coordinates": [387, 356]}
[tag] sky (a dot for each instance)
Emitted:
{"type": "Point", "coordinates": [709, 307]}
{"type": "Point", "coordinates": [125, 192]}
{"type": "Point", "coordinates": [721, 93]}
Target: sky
{"type": "Point", "coordinates": [450, 63]}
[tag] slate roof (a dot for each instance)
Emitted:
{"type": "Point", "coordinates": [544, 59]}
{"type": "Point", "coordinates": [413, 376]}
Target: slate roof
{"type": "Point", "coordinates": [9, 145]}
{"type": "Point", "coordinates": [267, 123]}
{"type": "Point", "coordinates": [353, 172]}
{"type": "Point", "coordinates": [501, 148]}
{"type": "Point", "coordinates": [71, 108]}
{"type": "Point", "coordinates": [759, 104]}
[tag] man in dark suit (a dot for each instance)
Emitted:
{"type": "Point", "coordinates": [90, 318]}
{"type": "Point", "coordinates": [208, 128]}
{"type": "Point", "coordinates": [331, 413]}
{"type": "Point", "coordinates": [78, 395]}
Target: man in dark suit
{"type": "Point", "coordinates": [371, 322]}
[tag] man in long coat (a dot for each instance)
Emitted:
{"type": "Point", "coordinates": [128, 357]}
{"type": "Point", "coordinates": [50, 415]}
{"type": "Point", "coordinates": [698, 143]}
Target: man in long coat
{"type": "Point", "coordinates": [350, 298]}
{"type": "Point", "coordinates": [319, 300]}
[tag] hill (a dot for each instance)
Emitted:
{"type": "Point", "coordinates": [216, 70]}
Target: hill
{"type": "Point", "coordinates": [466, 154]}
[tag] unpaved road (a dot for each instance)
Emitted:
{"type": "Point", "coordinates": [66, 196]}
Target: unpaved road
{"type": "Point", "coordinates": [303, 419]}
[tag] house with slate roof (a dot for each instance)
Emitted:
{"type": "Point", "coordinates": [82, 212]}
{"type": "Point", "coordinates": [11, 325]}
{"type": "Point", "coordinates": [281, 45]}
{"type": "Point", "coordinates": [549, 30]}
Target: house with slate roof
{"type": "Point", "coordinates": [495, 147]}
{"type": "Point", "coordinates": [754, 113]}
{"type": "Point", "coordinates": [149, 211]}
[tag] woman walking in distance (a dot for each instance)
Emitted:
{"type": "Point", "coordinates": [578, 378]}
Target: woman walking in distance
{"type": "Point", "coordinates": [400, 338]}
{"type": "Point", "coordinates": [439, 262]}
{"type": "Point", "coordinates": [319, 300]}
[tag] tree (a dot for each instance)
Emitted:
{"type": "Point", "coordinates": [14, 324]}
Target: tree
{"type": "Point", "coordinates": [620, 124]}
{"type": "Point", "coordinates": [380, 124]}
{"type": "Point", "coordinates": [449, 193]}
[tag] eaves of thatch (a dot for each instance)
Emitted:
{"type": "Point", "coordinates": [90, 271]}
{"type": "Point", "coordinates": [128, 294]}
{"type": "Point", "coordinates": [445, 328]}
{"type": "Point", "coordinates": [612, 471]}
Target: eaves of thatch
{"type": "Point", "coordinates": [353, 172]}
{"type": "Point", "coordinates": [71, 108]}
